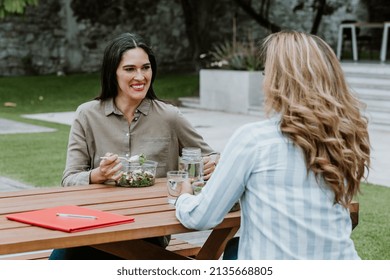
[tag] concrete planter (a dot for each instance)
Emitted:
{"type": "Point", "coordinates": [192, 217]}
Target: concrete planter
{"type": "Point", "coordinates": [230, 90]}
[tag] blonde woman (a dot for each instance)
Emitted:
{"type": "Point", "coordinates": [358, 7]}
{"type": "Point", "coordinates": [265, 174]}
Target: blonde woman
{"type": "Point", "coordinates": [296, 172]}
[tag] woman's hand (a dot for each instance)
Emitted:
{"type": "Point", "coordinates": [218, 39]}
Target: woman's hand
{"type": "Point", "coordinates": [209, 164]}
{"type": "Point", "coordinates": [110, 168]}
{"type": "Point", "coordinates": [186, 187]}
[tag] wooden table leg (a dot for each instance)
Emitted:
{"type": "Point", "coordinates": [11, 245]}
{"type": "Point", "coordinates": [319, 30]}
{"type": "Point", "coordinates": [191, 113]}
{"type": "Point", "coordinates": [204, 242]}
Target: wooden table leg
{"type": "Point", "coordinates": [213, 248]}
{"type": "Point", "coordinates": [138, 250]}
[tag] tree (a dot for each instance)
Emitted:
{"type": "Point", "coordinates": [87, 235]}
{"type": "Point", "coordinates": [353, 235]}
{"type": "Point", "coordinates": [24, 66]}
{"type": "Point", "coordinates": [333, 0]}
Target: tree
{"type": "Point", "coordinates": [8, 7]}
{"type": "Point", "coordinates": [198, 15]}
{"type": "Point", "coordinates": [113, 12]}
{"type": "Point", "coordinates": [260, 17]}
{"type": "Point", "coordinates": [321, 8]}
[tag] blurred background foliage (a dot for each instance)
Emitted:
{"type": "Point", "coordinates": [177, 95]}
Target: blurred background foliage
{"type": "Point", "coordinates": [206, 24]}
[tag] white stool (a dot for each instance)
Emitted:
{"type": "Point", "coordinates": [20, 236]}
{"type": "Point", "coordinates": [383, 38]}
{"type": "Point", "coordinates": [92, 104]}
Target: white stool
{"type": "Point", "coordinates": [352, 26]}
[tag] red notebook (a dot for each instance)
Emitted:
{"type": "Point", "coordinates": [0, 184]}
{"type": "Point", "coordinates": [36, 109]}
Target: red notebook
{"type": "Point", "coordinates": [70, 218]}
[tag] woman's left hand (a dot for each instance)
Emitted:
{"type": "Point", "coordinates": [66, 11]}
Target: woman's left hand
{"type": "Point", "coordinates": [209, 164]}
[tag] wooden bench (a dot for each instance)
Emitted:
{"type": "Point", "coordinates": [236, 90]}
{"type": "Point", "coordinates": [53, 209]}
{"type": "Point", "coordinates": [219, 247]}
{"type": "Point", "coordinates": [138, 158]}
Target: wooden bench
{"type": "Point", "coordinates": [354, 213]}
{"type": "Point", "coordinates": [178, 246]}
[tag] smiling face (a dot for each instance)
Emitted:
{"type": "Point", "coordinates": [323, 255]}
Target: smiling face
{"type": "Point", "coordinates": [134, 75]}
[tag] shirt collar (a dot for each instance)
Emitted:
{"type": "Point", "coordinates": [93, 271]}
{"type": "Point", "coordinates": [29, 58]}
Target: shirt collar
{"type": "Point", "coordinates": [110, 108]}
{"type": "Point", "coordinates": [145, 105]}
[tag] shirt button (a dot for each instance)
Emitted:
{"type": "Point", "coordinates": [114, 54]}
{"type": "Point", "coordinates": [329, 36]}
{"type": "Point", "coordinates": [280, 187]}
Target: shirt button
{"type": "Point", "coordinates": [135, 119]}
{"type": "Point", "coordinates": [127, 134]}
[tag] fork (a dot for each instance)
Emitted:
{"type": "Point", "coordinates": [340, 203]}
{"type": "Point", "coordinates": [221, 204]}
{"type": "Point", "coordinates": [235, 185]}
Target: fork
{"type": "Point", "coordinates": [131, 159]}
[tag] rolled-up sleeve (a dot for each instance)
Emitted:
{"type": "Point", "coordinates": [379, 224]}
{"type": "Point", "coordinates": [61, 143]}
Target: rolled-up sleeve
{"type": "Point", "coordinates": [77, 170]}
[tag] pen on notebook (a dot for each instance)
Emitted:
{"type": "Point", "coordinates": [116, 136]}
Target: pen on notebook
{"type": "Point", "coordinates": [75, 216]}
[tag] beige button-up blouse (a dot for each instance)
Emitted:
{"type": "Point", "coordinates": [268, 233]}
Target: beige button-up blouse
{"type": "Point", "coordinates": [158, 130]}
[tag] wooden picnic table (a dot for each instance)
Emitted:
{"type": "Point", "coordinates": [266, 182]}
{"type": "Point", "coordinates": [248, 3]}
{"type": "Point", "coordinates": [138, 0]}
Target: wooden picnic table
{"type": "Point", "coordinates": [154, 216]}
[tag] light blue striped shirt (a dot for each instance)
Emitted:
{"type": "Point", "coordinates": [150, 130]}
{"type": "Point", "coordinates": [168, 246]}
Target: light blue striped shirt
{"type": "Point", "coordinates": [285, 212]}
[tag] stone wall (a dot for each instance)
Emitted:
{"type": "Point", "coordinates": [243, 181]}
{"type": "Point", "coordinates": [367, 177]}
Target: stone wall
{"type": "Point", "coordinates": [33, 43]}
{"type": "Point", "coordinates": [48, 39]}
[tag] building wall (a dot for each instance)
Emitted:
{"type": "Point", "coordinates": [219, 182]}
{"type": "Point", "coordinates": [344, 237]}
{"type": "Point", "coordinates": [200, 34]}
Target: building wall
{"type": "Point", "coordinates": [48, 39]}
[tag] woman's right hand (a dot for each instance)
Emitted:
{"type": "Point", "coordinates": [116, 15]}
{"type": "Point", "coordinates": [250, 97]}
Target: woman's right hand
{"type": "Point", "coordinates": [110, 168]}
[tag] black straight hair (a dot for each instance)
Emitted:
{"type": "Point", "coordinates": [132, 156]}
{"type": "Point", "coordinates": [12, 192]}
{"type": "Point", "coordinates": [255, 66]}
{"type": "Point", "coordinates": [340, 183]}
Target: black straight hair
{"type": "Point", "coordinates": [113, 56]}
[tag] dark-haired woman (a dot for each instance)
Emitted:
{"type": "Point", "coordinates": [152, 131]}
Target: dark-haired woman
{"type": "Point", "coordinates": [126, 118]}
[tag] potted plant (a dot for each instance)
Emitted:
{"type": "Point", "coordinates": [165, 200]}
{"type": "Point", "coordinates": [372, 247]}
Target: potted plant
{"type": "Point", "coordinates": [232, 79]}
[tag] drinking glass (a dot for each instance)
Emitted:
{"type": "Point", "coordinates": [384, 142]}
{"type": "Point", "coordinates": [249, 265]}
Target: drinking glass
{"type": "Point", "coordinates": [175, 180]}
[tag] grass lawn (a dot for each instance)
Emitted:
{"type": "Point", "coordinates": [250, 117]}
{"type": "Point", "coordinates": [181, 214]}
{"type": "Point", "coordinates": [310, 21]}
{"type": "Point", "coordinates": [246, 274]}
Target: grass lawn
{"type": "Point", "coordinates": [372, 235]}
{"type": "Point", "coordinates": [39, 158]}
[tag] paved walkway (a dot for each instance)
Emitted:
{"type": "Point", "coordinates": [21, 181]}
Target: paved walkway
{"type": "Point", "coordinates": [216, 128]}
{"type": "Point", "coordinates": [9, 127]}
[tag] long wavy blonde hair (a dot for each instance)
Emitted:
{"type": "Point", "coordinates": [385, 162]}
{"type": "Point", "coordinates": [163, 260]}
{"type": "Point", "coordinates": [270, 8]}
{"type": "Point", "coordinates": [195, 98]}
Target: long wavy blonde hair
{"type": "Point", "coordinates": [304, 82]}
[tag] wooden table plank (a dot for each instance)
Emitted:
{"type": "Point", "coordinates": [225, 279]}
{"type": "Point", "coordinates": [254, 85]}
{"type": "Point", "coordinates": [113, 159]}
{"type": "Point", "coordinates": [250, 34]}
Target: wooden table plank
{"type": "Point", "coordinates": [93, 197]}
